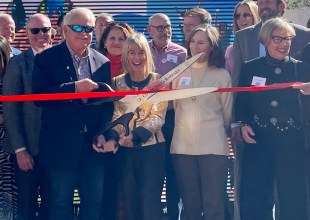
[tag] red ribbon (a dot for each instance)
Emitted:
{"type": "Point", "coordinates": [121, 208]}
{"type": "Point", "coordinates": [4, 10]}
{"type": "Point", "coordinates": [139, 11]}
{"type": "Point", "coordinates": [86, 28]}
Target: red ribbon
{"type": "Point", "coordinates": [259, 88]}
{"type": "Point", "coordinates": [68, 96]}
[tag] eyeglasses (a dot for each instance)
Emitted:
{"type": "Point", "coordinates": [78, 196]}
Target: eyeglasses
{"type": "Point", "coordinates": [278, 39]}
{"type": "Point", "coordinates": [80, 28]}
{"type": "Point", "coordinates": [244, 15]}
{"type": "Point", "coordinates": [161, 28]}
{"type": "Point", "coordinates": [37, 30]}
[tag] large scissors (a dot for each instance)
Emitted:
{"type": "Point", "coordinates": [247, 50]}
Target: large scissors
{"type": "Point", "coordinates": [161, 83]}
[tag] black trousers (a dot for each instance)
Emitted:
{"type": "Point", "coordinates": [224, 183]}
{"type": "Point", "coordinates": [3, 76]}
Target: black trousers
{"type": "Point", "coordinates": [141, 173]}
{"type": "Point", "coordinates": [29, 185]}
{"type": "Point", "coordinates": [277, 156]}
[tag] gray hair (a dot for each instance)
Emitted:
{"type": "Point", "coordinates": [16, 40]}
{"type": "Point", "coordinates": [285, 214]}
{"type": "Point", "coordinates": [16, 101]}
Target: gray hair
{"type": "Point", "coordinates": [79, 11]}
{"type": "Point", "coordinates": [104, 15]}
{"type": "Point", "coordinates": [265, 33]}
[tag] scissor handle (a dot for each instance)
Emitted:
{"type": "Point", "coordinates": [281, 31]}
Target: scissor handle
{"type": "Point", "coordinates": [123, 120]}
{"type": "Point", "coordinates": [103, 87]}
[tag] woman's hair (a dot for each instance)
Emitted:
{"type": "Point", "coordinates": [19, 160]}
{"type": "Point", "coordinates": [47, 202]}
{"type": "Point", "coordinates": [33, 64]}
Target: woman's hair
{"type": "Point", "coordinates": [137, 39]}
{"type": "Point", "coordinates": [216, 56]}
{"type": "Point", "coordinates": [4, 55]}
{"type": "Point", "coordinates": [125, 28]}
{"type": "Point", "coordinates": [253, 9]}
{"type": "Point", "coordinates": [265, 33]}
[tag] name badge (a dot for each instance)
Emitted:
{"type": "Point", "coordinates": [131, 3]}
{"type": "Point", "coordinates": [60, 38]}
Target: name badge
{"type": "Point", "coordinates": [258, 81]}
{"type": "Point", "coordinates": [172, 58]}
{"type": "Point", "coordinates": [184, 81]}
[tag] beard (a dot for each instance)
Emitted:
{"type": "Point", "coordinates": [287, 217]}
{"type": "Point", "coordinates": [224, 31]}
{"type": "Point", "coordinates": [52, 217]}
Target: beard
{"type": "Point", "coordinates": [270, 14]}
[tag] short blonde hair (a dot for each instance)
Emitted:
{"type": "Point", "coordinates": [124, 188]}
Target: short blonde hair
{"type": "Point", "coordinates": [79, 11]}
{"type": "Point", "coordinates": [265, 33]}
{"type": "Point", "coordinates": [137, 39]}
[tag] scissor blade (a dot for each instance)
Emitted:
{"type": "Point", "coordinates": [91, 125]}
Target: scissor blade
{"type": "Point", "coordinates": [164, 80]}
{"type": "Point", "coordinates": [161, 83]}
{"type": "Point", "coordinates": [178, 94]}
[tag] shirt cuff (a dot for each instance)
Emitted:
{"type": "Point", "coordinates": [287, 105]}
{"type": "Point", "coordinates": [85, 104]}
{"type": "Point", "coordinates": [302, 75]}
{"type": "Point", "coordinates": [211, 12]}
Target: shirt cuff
{"type": "Point", "coordinates": [234, 125]}
{"type": "Point", "coordinates": [19, 150]}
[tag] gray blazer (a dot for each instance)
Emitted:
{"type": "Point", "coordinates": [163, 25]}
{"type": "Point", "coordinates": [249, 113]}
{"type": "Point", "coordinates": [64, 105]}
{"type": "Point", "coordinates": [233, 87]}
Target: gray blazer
{"type": "Point", "coordinates": [246, 46]}
{"type": "Point", "coordinates": [21, 119]}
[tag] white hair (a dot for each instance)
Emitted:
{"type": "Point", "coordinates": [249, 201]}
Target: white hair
{"type": "Point", "coordinates": [79, 11]}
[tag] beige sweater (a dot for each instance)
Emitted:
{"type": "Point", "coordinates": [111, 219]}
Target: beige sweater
{"type": "Point", "coordinates": [201, 122]}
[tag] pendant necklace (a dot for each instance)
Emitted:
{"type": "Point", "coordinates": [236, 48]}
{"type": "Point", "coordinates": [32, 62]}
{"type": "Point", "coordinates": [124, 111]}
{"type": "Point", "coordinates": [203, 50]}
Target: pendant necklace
{"type": "Point", "coordinates": [134, 85]}
{"type": "Point", "coordinates": [192, 82]}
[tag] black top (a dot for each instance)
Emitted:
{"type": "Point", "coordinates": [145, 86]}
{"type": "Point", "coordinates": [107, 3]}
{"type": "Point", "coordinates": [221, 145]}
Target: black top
{"type": "Point", "coordinates": [272, 108]}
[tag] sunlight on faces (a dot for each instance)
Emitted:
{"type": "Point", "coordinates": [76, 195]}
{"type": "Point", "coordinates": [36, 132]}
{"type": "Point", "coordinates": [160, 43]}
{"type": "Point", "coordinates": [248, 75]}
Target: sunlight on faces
{"type": "Point", "coordinates": [200, 43]}
{"type": "Point", "coordinates": [79, 41]}
{"type": "Point", "coordinates": [244, 22]}
{"type": "Point", "coordinates": [269, 9]}
{"type": "Point", "coordinates": [7, 28]}
{"type": "Point", "coordinates": [137, 60]}
{"type": "Point", "coordinates": [189, 24]}
{"type": "Point", "coordinates": [40, 41]}
{"type": "Point", "coordinates": [115, 42]}
{"type": "Point", "coordinates": [161, 39]}
{"type": "Point", "coordinates": [281, 50]}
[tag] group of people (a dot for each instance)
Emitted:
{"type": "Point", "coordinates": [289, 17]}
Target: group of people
{"type": "Point", "coordinates": [53, 147]}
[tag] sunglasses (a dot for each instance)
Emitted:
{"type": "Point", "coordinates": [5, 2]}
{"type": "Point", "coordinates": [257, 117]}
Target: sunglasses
{"type": "Point", "coordinates": [244, 15]}
{"type": "Point", "coordinates": [80, 28]}
{"type": "Point", "coordinates": [37, 30]}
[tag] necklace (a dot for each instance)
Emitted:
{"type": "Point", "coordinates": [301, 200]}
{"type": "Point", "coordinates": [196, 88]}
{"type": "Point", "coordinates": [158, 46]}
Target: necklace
{"type": "Point", "coordinates": [136, 85]}
{"type": "Point", "coordinates": [200, 82]}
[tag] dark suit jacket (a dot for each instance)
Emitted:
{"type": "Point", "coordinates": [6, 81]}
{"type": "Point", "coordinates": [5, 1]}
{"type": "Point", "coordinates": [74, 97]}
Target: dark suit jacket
{"type": "Point", "coordinates": [22, 119]}
{"type": "Point", "coordinates": [63, 141]}
{"type": "Point", "coordinates": [246, 46]}
{"type": "Point", "coordinates": [306, 53]}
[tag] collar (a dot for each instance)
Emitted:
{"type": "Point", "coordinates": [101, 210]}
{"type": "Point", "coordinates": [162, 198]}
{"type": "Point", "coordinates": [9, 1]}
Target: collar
{"type": "Point", "coordinates": [75, 56]}
{"type": "Point", "coordinates": [163, 48]}
{"type": "Point", "coordinates": [34, 51]}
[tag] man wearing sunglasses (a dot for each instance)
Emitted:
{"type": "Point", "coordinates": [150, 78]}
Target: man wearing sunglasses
{"type": "Point", "coordinates": [22, 121]}
{"type": "Point", "coordinates": [68, 127]}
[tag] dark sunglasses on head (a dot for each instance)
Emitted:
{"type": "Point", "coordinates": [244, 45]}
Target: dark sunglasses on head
{"type": "Point", "coordinates": [244, 15]}
{"type": "Point", "coordinates": [37, 30]}
{"type": "Point", "coordinates": [80, 28]}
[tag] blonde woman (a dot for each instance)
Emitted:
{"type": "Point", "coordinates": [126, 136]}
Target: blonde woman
{"type": "Point", "coordinates": [141, 154]}
{"type": "Point", "coordinates": [245, 15]}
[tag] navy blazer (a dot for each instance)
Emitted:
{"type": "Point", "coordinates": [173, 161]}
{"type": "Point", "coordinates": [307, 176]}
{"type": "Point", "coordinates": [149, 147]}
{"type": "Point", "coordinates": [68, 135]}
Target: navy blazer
{"type": "Point", "coordinates": [63, 139]}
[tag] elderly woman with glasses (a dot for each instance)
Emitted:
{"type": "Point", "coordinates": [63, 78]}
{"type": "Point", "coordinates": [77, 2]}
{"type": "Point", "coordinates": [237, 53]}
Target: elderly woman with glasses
{"type": "Point", "coordinates": [275, 127]}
